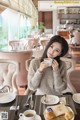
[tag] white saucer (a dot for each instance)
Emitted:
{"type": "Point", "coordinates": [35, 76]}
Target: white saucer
{"type": "Point", "coordinates": [7, 97]}
{"type": "Point", "coordinates": [37, 118]}
{"type": "Point", "coordinates": [76, 98]}
{"type": "Point", "coordinates": [50, 99]}
{"type": "Point", "coordinates": [72, 112]}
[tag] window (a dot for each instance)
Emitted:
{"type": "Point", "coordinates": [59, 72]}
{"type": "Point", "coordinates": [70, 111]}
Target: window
{"type": "Point", "coordinates": [13, 26]}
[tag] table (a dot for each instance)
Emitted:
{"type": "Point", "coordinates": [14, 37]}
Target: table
{"type": "Point", "coordinates": [20, 57]}
{"type": "Point", "coordinates": [74, 47]}
{"type": "Point", "coordinates": [38, 106]}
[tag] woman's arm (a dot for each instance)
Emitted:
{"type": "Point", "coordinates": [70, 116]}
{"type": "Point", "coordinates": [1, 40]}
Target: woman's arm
{"type": "Point", "coordinates": [60, 78]}
{"type": "Point", "coordinates": [34, 75]}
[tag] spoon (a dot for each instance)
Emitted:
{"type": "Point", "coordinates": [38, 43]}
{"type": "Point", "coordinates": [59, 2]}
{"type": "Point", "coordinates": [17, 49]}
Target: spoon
{"type": "Point", "coordinates": [45, 98]}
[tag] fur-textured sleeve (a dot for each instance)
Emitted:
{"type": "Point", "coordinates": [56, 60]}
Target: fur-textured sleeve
{"type": "Point", "coordinates": [60, 78]}
{"type": "Point", "coordinates": [34, 76]}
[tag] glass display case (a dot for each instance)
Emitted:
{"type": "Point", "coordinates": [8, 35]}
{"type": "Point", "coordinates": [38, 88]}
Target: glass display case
{"type": "Point", "coordinates": [72, 14]}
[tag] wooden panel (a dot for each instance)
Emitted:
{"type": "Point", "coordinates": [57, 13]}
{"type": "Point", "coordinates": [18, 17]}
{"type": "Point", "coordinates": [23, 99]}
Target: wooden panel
{"type": "Point", "coordinates": [40, 16]}
{"type": "Point", "coordinates": [48, 19]}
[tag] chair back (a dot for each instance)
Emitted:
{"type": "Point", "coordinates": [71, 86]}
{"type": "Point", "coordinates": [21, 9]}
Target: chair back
{"type": "Point", "coordinates": [28, 91]}
{"type": "Point", "coordinates": [70, 66]}
{"type": "Point", "coordinates": [44, 41]}
{"type": "Point", "coordinates": [18, 45]}
{"type": "Point", "coordinates": [8, 72]}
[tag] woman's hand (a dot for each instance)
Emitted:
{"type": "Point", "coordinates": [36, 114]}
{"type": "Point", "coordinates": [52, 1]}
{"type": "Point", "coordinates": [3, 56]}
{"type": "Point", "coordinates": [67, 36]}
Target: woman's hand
{"type": "Point", "coordinates": [55, 65]}
{"type": "Point", "coordinates": [43, 65]}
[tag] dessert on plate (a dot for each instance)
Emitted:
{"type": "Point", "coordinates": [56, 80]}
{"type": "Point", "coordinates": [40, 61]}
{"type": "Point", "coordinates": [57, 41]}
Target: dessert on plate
{"type": "Point", "coordinates": [58, 112]}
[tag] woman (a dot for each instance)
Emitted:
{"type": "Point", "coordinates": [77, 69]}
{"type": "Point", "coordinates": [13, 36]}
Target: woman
{"type": "Point", "coordinates": [45, 79]}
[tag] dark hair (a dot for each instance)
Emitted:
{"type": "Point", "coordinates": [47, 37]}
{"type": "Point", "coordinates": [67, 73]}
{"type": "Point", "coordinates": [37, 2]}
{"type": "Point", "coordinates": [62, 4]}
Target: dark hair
{"type": "Point", "coordinates": [60, 40]}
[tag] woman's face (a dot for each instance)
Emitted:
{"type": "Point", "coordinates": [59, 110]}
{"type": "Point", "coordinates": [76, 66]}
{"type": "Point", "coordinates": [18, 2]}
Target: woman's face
{"type": "Point", "coordinates": [54, 50]}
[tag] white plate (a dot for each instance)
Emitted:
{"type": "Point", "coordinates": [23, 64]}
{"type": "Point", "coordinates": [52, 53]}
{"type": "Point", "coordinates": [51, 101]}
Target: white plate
{"type": "Point", "coordinates": [50, 99]}
{"type": "Point", "coordinates": [76, 97]}
{"type": "Point", "coordinates": [68, 108]}
{"type": "Point", "coordinates": [37, 118]}
{"type": "Point", "coordinates": [7, 97]}
{"type": "Point", "coordinates": [72, 112]}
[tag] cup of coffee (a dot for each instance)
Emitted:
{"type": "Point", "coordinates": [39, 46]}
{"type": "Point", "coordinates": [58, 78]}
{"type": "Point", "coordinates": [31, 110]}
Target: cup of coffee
{"type": "Point", "coordinates": [49, 61]}
{"type": "Point", "coordinates": [28, 115]}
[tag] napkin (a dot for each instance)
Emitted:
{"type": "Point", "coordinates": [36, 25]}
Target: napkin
{"type": "Point", "coordinates": [14, 108]}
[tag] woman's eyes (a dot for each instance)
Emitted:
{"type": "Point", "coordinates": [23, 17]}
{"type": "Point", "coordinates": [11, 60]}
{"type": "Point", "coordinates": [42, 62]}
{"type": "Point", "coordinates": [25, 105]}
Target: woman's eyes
{"type": "Point", "coordinates": [51, 46]}
{"type": "Point", "coordinates": [55, 49]}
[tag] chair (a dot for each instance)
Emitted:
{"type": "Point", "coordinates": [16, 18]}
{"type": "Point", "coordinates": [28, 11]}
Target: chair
{"type": "Point", "coordinates": [19, 57]}
{"type": "Point", "coordinates": [70, 66]}
{"type": "Point", "coordinates": [18, 45]}
{"type": "Point", "coordinates": [8, 72]}
{"type": "Point", "coordinates": [44, 41]}
{"type": "Point", "coordinates": [32, 43]}
{"type": "Point", "coordinates": [28, 91]}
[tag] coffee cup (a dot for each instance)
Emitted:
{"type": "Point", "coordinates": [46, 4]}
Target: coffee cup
{"type": "Point", "coordinates": [28, 115]}
{"type": "Point", "coordinates": [48, 60]}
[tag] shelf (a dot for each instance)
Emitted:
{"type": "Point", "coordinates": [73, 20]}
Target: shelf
{"type": "Point", "coordinates": [69, 10]}
{"type": "Point", "coordinates": [69, 16]}
{"type": "Point", "coordinates": [69, 13]}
